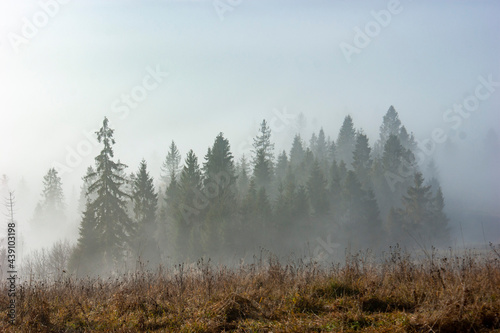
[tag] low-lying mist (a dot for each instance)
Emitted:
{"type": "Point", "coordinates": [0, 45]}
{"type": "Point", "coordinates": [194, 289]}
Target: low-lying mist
{"type": "Point", "coordinates": [321, 198]}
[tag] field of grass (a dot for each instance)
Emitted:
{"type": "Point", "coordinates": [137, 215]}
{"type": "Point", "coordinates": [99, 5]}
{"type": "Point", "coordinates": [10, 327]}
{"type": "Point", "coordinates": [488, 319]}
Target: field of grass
{"type": "Point", "coordinates": [440, 293]}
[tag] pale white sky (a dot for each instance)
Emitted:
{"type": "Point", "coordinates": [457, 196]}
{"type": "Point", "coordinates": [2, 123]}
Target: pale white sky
{"type": "Point", "coordinates": [227, 75]}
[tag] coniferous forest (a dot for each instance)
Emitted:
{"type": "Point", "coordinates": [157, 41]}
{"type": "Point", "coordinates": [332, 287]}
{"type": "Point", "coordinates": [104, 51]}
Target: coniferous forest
{"type": "Point", "coordinates": [211, 166]}
{"type": "Point", "coordinates": [361, 195]}
{"type": "Point", "coordinates": [334, 234]}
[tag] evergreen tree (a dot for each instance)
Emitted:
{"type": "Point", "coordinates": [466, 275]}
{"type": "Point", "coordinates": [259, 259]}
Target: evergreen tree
{"type": "Point", "coordinates": [167, 219]}
{"type": "Point", "coordinates": [284, 207]}
{"type": "Point", "coordinates": [316, 188]}
{"type": "Point", "coordinates": [300, 208]}
{"type": "Point", "coordinates": [280, 209]}
{"type": "Point", "coordinates": [372, 228]}
{"type": "Point", "coordinates": [397, 168]}
{"type": "Point", "coordinates": [361, 215]}
{"type": "Point", "coordinates": [321, 152]}
{"type": "Point", "coordinates": [407, 140]}
{"type": "Point", "coordinates": [243, 180]}
{"type": "Point", "coordinates": [167, 190]}
{"type": "Point", "coordinates": [313, 143]}
{"type": "Point", "coordinates": [390, 126]}
{"type": "Point", "coordinates": [281, 167]}
{"type": "Point", "coordinates": [346, 141]}
{"type": "Point", "coordinates": [87, 257]}
{"type": "Point", "coordinates": [219, 187]}
{"type": "Point", "coordinates": [263, 156]}
{"type": "Point", "coordinates": [170, 167]}
{"type": "Point", "coordinates": [145, 202]}
{"type": "Point", "coordinates": [264, 217]}
{"type": "Point", "coordinates": [297, 152]}
{"type": "Point", "coordinates": [335, 189]}
{"type": "Point", "coordinates": [321, 149]}
{"type": "Point", "coordinates": [361, 160]}
{"type": "Point", "coordinates": [416, 204]}
{"type": "Point", "coordinates": [248, 217]}
{"type": "Point", "coordinates": [393, 154]}
{"type": "Point", "coordinates": [352, 194]}
{"type": "Point", "coordinates": [342, 171]}
{"type": "Point", "coordinates": [52, 196]}
{"type": "Point", "coordinates": [190, 211]}
{"type": "Point", "coordinates": [84, 197]}
{"type": "Point", "coordinates": [107, 212]}
{"type": "Point", "coordinates": [50, 211]}
{"type": "Point", "coordinates": [331, 150]}
{"type": "Point", "coordinates": [422, 215]}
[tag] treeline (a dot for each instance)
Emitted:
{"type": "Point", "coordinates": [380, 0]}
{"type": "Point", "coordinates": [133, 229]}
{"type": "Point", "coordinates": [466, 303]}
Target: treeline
{"type": "Point", "coordinates": [219, 207]}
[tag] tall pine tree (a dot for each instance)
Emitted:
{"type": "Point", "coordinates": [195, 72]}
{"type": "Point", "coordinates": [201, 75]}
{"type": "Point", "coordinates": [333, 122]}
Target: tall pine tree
{"type": "Point", "coordinates": [145, 202]}
{"type": "Point", "coordinates": [106, 214]}
{"type": "Point", "coordinates": [346, 141]}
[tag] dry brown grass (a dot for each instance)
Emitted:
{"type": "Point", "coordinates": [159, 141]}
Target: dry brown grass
{"type": "Point", "coordinates": [397, 294]}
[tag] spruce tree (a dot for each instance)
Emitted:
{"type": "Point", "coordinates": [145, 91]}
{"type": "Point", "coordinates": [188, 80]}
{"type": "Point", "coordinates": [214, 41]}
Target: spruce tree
{"type": "Point", "coordinates": [145, 202]}
{"type": "Point", "coordinates": [321, 149]}
{"type": "Point", "coordinates": [300, 208]}
{"type": "Point", "coordinates": [297, 152]}
{"type": "Point", "coordinates": [346, 141]}
{"type": "Point", "coordinates": [219, 187]}
{"type": "Point", "coordinates": [393, 154]}
{"type": "Point", "coordinates": [248, 217]}
{"type": "Point", "coordinates": [53, 196]}
{"type": "Point", "coordinates": [317, 192]}
{"type": "Point", "coordinates": [264, 217]}
{"type": "Point", "coordinates": [243, 180]}
{"type": "Point", "coordinates": [407, 140]}
{"type": "Point", "coordinates": [331, 150]}
{"type": "Point", "coordinates": [361, 214]}
{"type": "Point", "coordinates": [263, 156]}
{"type": "Point", "coordinates": [313, 142]}
{"type": "Point", "coordinates": [84, 196]}
{"type": "Point", "coordinates": [192, 203]}
{"type": "Point", "coordinates": [107, 212]}
{"type": "Point", "coordinates": [419, 212]}
{"type": "Point", "coordinates": [390, 126]}
{"type": "Point", "coordinates": [87, 257]}
{"type": "Point", "coordinates": [170, 167]}
{"type": "Point", "coordinates": [362, 160]}
{"type": "Point", "coordinates": [335, 189]}
{"type": "Point", "coordinates": [281, 167]}
{"type": "Point", "coordinates": [50, 216]}
{"type": "Point", "coordinates": [416, 203]}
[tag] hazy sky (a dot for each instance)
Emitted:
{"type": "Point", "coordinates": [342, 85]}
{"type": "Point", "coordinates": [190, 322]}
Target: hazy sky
{"type": "Point", "coordinates": [228, 68]}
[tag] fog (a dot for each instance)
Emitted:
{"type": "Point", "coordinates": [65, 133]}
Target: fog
{"type": "Point", "coordinates": [188, 70]}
